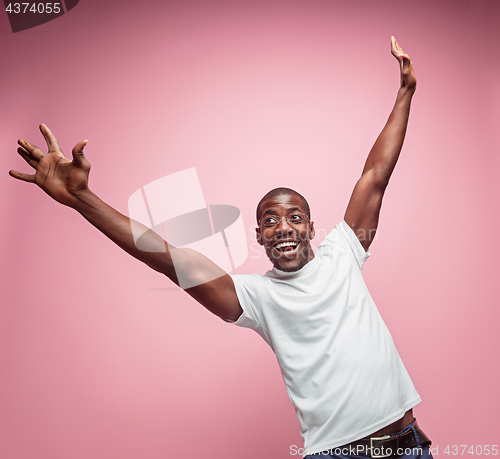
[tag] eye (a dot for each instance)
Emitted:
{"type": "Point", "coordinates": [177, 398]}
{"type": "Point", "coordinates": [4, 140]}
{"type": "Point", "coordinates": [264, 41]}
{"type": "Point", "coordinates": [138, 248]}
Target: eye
{"type": "Point", "coordinates": [295, 218]}
{"type": "Point", "coordinates": [271, 220]}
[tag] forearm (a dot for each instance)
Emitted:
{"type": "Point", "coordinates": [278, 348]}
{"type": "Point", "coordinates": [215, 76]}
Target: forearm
{"type": "Point", "coordinates": [386, 149]}
{"type": "Point", "coordinates": [120, 229]}
{"type": "Point", "coordinates": [67, 182]}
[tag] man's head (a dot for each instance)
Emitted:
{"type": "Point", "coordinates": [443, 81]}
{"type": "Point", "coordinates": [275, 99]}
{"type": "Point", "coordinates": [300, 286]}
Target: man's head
{"type": "Point", "coordinates": [285, 229]}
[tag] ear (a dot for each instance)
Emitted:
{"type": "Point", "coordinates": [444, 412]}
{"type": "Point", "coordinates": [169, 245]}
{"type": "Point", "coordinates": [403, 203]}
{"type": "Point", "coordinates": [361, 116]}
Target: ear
{"type": "Point", "coordinates": [312, 231]}
{"type": "Point", "coordinates": [258, 236]}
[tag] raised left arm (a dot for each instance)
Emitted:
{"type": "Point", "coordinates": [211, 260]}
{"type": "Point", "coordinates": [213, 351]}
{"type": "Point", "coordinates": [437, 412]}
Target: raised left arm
{"type": "Point", "coordinates": [366, 200]}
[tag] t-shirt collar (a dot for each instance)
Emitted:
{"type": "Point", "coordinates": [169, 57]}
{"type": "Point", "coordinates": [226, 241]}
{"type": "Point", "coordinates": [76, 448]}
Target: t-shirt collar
{"type": "Point", "coordinates": [308, 267]}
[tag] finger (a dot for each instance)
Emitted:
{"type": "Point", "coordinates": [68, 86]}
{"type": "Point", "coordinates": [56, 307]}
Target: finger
{"type": "Point", "coordinates": [394, 46]}
{"type": "Point", "coordinates": [21, 176]}
{"type": "Point", "coordinates": [52, 142]}
{"type": "Point", "coordinates": [27, 157]}
{"type": "Point", "coordinates": [33, 150]}
{"type": "Point", "coordinates": [396, 50]}
{"type": "Point", "coordinates": [79, 158]}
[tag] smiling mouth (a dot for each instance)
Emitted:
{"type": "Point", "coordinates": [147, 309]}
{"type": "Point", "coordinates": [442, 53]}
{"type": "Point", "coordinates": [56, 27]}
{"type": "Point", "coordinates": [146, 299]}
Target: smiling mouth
{"type": "Point", "coordinates": [288, 246]}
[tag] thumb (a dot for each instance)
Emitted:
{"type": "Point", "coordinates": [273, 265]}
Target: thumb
{"type": "Point", "coordinates": [404, 60]}
{"type": "Point", "coordinates": [79, 159]}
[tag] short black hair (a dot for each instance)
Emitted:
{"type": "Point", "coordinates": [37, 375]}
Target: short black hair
{"type": "Point", "coordinates": [279, 192]}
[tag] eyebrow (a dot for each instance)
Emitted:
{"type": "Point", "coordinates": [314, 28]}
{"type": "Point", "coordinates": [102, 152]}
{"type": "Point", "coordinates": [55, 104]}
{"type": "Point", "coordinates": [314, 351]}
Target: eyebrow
{"type": "Point", "coordinates": [288, 211]}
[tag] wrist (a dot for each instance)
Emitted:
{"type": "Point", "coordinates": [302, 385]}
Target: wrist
{"type": "Point", "coordinates": [82, 200]}
{"type": "Point", "coordinates": [405, 95]}
{"type": "Point", "coordinates": [407, 91]}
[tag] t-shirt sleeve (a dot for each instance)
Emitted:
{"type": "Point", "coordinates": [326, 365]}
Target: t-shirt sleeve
{"type": "Point", "coordinates": [248, 290]}
{"type": "Point", "coordinates": [344, 235]}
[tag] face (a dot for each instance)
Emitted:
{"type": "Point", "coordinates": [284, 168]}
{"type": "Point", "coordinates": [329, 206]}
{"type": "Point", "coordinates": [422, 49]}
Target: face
{"type": "Point", "coordinates": [287, 244]}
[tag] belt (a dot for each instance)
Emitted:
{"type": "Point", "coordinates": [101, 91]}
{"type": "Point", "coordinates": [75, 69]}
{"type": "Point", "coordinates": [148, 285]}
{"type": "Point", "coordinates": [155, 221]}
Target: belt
{"type": "Point", "coordinates": [389, 445]}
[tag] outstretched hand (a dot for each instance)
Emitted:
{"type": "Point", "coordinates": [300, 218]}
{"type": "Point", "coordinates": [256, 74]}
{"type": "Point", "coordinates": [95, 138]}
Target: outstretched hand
{"type": "Point", "coordinates": [59, 177]}
{"type": "Point", "coordinates": [408, 79]}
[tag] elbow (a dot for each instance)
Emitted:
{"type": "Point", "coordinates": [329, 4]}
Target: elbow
{"type": "Point", "coordinates": [379, 178]}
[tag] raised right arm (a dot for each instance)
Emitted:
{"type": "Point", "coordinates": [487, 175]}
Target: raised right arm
{"type": "Point", "coordinates": [67, 182]}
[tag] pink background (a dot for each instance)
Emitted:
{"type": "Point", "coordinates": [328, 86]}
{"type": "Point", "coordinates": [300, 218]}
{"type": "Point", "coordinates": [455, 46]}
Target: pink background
{"type": "Point", "coordinates": [98, 359]}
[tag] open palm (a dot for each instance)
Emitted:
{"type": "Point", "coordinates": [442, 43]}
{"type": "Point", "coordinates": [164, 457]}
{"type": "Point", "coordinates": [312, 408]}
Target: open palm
{"type": "Point", "coordinates": [59, 177]}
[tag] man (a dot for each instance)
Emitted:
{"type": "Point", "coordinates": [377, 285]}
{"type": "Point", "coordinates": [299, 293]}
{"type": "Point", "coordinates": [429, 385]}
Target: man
{"type": "Point", "coordinates": [342, 372]}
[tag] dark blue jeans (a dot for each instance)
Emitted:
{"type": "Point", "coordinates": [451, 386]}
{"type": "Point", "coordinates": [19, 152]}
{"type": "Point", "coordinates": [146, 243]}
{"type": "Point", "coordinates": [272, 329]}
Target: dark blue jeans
{"type": "Point", "coordinates": [414, 453]}
{"type": "Point", "coordinates": [344, 452]}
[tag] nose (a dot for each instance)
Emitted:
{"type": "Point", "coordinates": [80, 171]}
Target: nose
{"type": "Point", "coordinates": [283, 225]}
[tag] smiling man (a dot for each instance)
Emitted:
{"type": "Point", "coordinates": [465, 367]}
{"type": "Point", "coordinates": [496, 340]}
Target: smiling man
{"type": "Point", "coordinates": [285, 229]}
{"type": "Point", "coordinates": [348, 385]}
{"type": "Point", "coordinates": [346, 381]}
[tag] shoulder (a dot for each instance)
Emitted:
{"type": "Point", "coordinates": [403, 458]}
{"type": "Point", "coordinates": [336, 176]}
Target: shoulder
{"type": "Point", "coordinates": [248, 279]}
{"type": "Point", "coordinates": [248, 285]}
{"type": "Point", "coordinates": [343, 239]}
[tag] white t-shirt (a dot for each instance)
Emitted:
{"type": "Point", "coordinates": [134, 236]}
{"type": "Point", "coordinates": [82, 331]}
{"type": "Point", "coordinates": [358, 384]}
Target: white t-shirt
{"type": "Point", "coordinates": [340, 366]}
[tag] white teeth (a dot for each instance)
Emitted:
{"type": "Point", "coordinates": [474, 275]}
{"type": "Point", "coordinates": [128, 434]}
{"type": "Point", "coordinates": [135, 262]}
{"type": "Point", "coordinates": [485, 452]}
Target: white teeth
{"type": "Point", "coordinates": [287, 244]}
